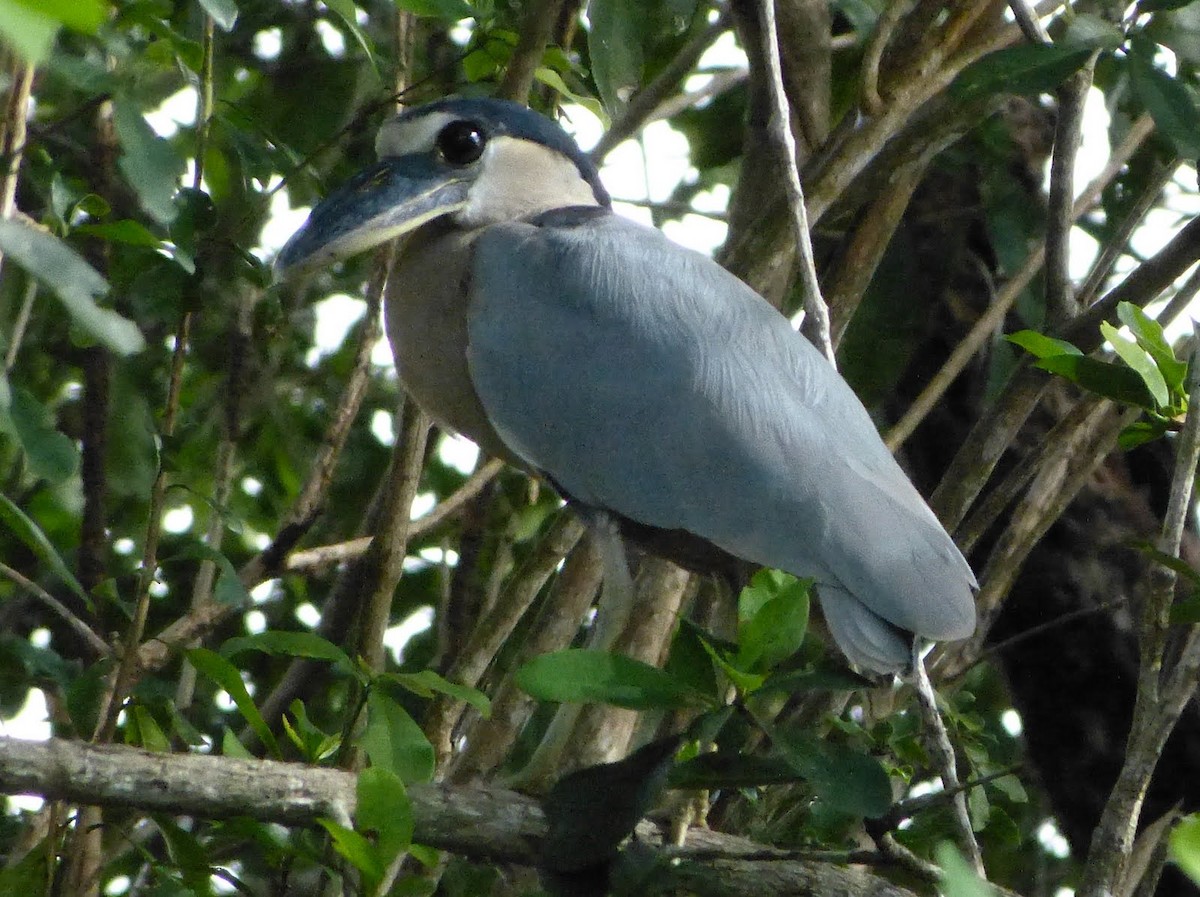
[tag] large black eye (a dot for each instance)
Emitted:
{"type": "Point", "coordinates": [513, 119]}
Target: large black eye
{"type": "Point", "coordinates": [461, 142]}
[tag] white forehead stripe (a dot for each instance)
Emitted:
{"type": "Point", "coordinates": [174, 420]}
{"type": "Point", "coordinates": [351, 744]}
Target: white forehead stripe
{"type": "Point", "coordinates": [412, 135]}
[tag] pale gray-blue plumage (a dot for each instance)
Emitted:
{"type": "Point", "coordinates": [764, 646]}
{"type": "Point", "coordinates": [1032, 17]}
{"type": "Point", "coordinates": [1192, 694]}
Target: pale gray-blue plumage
{"type": "Point", "coordinates": [640, 377]}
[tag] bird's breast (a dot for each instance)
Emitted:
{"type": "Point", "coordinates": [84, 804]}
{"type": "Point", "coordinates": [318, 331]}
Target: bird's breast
{"type": "Point", "coordinates": [426, 313]}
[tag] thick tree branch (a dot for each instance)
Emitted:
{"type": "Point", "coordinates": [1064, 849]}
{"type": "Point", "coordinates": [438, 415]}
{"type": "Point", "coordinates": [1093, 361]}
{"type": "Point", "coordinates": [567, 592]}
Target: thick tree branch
{"type": "Point", "coordinates": [490, 824]}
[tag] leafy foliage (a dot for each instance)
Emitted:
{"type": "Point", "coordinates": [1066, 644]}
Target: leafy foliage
{"type": "Point", "coordinates": [165, 409]}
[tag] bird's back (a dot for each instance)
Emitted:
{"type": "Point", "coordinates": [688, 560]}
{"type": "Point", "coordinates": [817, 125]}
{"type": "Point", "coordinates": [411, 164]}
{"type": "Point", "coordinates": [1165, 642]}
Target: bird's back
{"type": "Point", "coordinates": [646, 380]}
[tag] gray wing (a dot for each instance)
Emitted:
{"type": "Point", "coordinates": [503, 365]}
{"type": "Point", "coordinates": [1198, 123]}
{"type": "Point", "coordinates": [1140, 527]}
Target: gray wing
{"type": "Point", "coordinates": [645, 379]}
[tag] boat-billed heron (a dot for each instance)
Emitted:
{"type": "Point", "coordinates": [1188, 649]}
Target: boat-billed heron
{"type": "Point", "coordinates": [640, 378]}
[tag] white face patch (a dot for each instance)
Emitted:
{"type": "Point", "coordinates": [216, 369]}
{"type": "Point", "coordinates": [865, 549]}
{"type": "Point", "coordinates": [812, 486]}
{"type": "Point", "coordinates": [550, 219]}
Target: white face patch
{"type": "Point", "coordinates": [411, 135]}
{"type": "Point", "coordinates": [521, 178]}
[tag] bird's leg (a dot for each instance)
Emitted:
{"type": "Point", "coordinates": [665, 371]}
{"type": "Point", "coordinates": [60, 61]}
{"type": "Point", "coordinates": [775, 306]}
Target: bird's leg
{"type": "Point", "coordinates": [613, 613]}
{"type": "Point", "coordinates": [938, 741]}
{"type": "Point", "coordinates": [617, 592]}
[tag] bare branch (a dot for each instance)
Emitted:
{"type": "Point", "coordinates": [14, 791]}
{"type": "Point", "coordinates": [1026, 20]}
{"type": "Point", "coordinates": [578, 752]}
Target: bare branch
{"type": "Point", "coordinates": [816, 312]}
{"type": "Point", "coordinates": [537, 27]}
{"type": "Point", "coordinates": [490, 632]}
{"type": "Point", "coordinates": [484, 823]}
{"type": "Point", "coordinates": [1153, 718]}
{"type": "Point", "coordinates": [340, 552]}
{"type": "Point", "coordinates": [1031, 26]}
{"type": "Point", "coordinates": [985, 327]}
{"type": "Point", "coordinates": [93, 641]}
{"type": "Point", "coordinates": [1068, 133]}
{"type": "Point", "coordinates": [390, 544]}
{"type": "Point", "coordinates": [938, 743]}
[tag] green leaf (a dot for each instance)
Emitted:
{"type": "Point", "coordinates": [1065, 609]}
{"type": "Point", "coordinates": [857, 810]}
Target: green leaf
{"type": "Point", "coordinates": [73, 281]}
{"type": "Point", "coordinates": [394, 741]}
{"type": "Point", "coordinates": [577, 675]}
{"type": "Point", "coordinates": [745, 682]}
{"type": "Point", "coordinates": [291, 644]}
{"type": "Point", "coordinates": [26, 31]}
{"type": "Point", "coordinates": [1041, 346]}
{"type": "Point", "coordinates": [847, 780]}
{"type": "Point", "coordinates": [313, 744]}
{"type": "Point", "coordinates": [727, 769]}
{"type": "Point", "coordinates": [188, 855]}
{"type": "Point", "coordinates": [1089, 30]}
{"type": "Point", "coordinates": [446, 10]}
{"type": "Point", "coordinates": [127, 231]}
{"type": "Point", "coordinates": [228, 589]}
{"type": "Point", "coordinates": [615, 48]}
{"type": "Point", "coordinates": [1142, 431]}
{"type": "Point", "coordinates": [358, 851]}
{"type": "Point", "coordinates": [231, 747]}
{"type": "Point", "coordinates": [29, 26]}
{"type": "Point", "coordinates": [85, 16]}
{"type": "Point", "coordinates": [427, 683]}
{"type": "Point", "coordinates": [834, 679]}
{"type": "Point", "coordinates": [27, 876]}
{"type": "Point", "coordinates": [771, 630]}
{"type": "Point", "coordinates": [348, 13]}
{"type": "Point", "coordinates": [383, 807]}
{"type": "Point", "coordinates": [1185, 846]}
{"type": "Point", "coordinates": [1141, 363]}
{"type": "Point", "coordinates": [224, 12]}
{"type": "Point", "coordinates": [1114, 381]}
{"type": "Point", "coordinates": [1150, 336]}
{"type": "Point", "coordinates": [1169, 103]}
{"type": "Point", "coordinates": [226, 675]}
{"type": "Point", "coordinates": [148, 733]}
{"type": "Point", "coordinates": [554, 81]}
{"type": "Point", "coordinates": [1023, 69]}
{"type": "Point", "coordinates": [52, 455]}
{"type": "Point", "coordinates": [689, 661]}
{"type": "Point", "coordinates": [31, 534]}
{"type": "Point", "coordinates": [148, 161]}
{"type": "Point", "coordinates": [958, 878]}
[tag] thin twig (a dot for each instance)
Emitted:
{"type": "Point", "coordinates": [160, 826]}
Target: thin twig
{"type": "Point", "coordinates": [938, 741]}
{"type": "Point", "coordinates": [340, 552]}
{"type": "Point", "coordinates": [885, 27]}
{"type": "Point", "coordinates": [491, 632]}
{"type": "Point", "coordinates": [20, 323]}
{"type": "Point", "coordinates": [1059, 479]}
{"type": "Point", "coordinates": [202, 585]}
{"type": "Point", "coordinates": [12, 140]}
{"type": "Point", "coordinates": [1061, 215]}
{"type": "Point", "coordinates": [127, 670]}
{"type": "Point", "coordinates": [537, 26]}
{"type": "Point", "coordinates": [860, 260]}
{"type": "Point", "coordinates": [983, 329]}
{"type": "Point", "coordinates": [1031, 26]}
{"type": "Point", "coordinates": [816, 312]}
{"type": "Point", "coordinates": [390, 545]}
{"type": "Point", "coordinates": [94, 641]}
{"type": "Point", "coordinates": [1153, 718]}
{"type": "Point", "coordinates": [643, 105]}
{"type": "Point", "coordinates": [1117, 243]}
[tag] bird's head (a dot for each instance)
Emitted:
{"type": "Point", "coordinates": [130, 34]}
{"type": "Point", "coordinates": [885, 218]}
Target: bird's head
{"type": "Point", "coordinates": [478, 161]}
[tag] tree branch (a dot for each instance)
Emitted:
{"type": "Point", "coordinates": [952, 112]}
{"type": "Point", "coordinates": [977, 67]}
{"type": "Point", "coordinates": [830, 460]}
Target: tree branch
{"type": "Point", "coordinates": [484, 823]}
{"type": "Point", "coordinates": [816, 312]}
